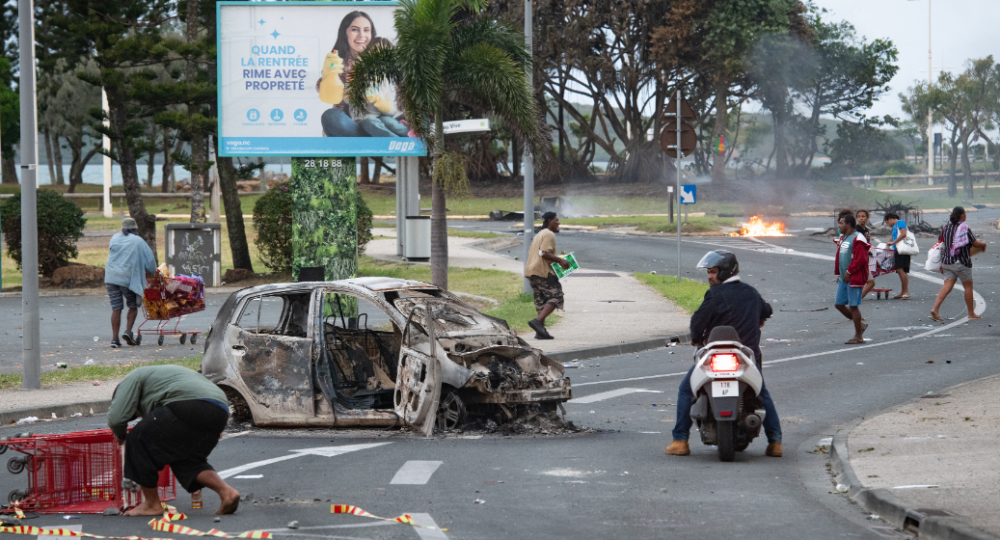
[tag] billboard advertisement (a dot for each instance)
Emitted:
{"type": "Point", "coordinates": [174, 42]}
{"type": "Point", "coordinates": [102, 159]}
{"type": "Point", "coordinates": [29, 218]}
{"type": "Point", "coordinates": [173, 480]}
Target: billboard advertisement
{"type": "Point", "coordinates": [283, 69]}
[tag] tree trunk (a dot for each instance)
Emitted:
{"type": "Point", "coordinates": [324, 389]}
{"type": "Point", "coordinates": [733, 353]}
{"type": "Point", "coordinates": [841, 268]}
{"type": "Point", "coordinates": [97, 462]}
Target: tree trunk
{"type": "Point", "coordinates": [378, 170]}
{"type": "Point", "coordinates": [150, 165]}
{"type": "Point", "coordinates": [967, 170]}
{"type": "Point", "coordinates": [721, 119]}
{"type": "Point", "coordinates": [515, 156]}
{"type": "Point", "coordinates": [198, 182]}
{"type": "Point", "coordinates": [57, 154]}
{"type": "Point", "coordinates": [439, 219]}
{"type": "Point", "coordinates": [780, 147]}
{"type": "Point", "coordinates": [8, 171]}
{"type": "Point", "coordinates": [118, 119]}
{"type": "Point", "coordinates": [234, 214]}
{"type": "Point", "coordinates": [48, 156]}
{"type": "Point", "coordinates": [364, 178]}
{"type": "Point", "coordinates": [953, 158]}
{"type": "Point", "coordinates": [168, 163]}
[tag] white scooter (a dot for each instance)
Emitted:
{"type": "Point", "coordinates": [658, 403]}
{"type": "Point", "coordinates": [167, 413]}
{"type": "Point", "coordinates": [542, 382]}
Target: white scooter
{"type": "Point", "coordinates": [726, 384]}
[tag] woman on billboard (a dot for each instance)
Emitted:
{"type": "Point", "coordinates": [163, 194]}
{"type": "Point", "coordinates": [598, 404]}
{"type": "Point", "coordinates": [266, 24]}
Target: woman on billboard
{"type": "Point", "coordinates": [381, 116]}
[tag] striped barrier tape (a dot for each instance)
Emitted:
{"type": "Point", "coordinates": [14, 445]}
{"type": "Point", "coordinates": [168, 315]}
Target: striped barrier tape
{"type": "Point", "coordinates": [163, 524]}
{"type": "Point", "coordinates": [355, 511]}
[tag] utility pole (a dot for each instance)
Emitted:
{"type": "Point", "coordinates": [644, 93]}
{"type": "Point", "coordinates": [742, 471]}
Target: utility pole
{"type": "Point", "coordinates": [31, 358]}
{"type": "Point", "coordinates": [930, 113]}
{"type": "Point", "coordinates": [529, 166]}
{"type": "Point", "coordinates": [677, 167]}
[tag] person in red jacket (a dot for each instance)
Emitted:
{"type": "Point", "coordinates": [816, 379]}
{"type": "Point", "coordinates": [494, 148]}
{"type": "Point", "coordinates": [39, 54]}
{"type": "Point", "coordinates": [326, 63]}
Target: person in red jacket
{"type": "Point", "coordinates": [852, 267]}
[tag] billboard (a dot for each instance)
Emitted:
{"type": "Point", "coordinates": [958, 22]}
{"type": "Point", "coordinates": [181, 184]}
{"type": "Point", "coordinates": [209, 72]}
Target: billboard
{"type": "Point", "coordinates": [283, 69]}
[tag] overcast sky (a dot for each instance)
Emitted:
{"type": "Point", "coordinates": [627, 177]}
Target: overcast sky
{"type": "Point", "coordinates": [962, 29]}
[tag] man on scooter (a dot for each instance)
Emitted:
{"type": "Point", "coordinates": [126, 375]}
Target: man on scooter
{"type": "Point", "coordinates": [728, 302]}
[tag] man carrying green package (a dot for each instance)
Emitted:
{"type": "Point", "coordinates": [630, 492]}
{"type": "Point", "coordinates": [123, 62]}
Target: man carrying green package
{"type": "Point", "coordinates": [544, 282]}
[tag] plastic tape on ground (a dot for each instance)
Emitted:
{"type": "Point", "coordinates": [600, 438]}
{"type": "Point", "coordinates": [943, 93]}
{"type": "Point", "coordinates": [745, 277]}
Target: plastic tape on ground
{"type": "Point", "coordinates": [163, 524]}
{"type": "Point", "coordinates": [354, 510]}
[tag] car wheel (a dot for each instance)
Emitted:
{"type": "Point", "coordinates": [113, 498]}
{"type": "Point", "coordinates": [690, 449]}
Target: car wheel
{"type": "Point", "coordinates": [451, 412]}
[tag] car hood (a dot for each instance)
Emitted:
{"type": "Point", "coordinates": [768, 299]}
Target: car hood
{"type": "Point", "coordinates": [453, 319]}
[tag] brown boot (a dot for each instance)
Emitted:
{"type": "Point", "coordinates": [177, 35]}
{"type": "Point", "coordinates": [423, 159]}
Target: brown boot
{"type": "Point", "coordinates": [773, 450]}
{"type": "Point", "coordinates": [679, 448]}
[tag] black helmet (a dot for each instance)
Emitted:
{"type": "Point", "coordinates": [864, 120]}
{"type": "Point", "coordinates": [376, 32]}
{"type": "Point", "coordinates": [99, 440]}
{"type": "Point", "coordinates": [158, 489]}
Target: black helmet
{"type": "Point", "coordinates": [726, 261]}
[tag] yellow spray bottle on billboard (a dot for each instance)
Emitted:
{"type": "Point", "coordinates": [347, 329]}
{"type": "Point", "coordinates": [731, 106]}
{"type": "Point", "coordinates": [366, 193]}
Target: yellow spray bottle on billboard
{"type": "Point", "coordinates": [331, 88]}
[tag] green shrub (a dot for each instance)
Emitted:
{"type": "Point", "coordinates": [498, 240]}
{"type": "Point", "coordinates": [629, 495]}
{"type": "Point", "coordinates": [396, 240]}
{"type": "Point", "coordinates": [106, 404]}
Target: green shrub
{"type": "Point", "coordinates": [60, 225]}
{"type": "Point", "coordinates": [272, 218]}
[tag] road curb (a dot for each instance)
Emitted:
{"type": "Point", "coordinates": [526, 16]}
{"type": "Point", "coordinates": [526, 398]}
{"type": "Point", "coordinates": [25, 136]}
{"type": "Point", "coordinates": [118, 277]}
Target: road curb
{"type": "Point", "coordinates": [892, 509]}
{"type": "Point", "coordinates": [621, 348]}
{"type": "Point", "coordinates": [88, 408]}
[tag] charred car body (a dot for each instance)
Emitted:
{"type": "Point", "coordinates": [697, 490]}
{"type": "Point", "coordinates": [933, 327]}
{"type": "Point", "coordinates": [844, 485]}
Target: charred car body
{"type": "Point", "coordinates": [372, 352]}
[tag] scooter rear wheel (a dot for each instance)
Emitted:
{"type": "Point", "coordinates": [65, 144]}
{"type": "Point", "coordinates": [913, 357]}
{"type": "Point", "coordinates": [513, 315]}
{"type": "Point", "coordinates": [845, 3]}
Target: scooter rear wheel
{"type": "Point", "coordinates": [726, 432]}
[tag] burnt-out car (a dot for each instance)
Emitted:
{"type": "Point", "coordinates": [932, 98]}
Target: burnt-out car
{"type": "Point", "coordinates": [372, 352]}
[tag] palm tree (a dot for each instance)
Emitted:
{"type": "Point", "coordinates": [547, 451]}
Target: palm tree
{"type": "Point", "coordinates": [450, 50]}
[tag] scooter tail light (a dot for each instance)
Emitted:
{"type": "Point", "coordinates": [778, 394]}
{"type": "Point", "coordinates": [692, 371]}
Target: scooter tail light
{"type": "Point", "coordinates": [726, 413]}
{"type": "Point", "coordinates": [724, 363]}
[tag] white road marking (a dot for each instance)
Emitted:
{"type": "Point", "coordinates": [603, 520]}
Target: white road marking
{"type": "Point", "coordinates": [610, 394]}
{"type": "Point", "coordinates": [249, 476]}
{"type": "Point", "coordinates": [328, 451]}
{"type": "Point", "coordinates": [425, 520]}
{"type": "Point", "coordinates": [415, 473]}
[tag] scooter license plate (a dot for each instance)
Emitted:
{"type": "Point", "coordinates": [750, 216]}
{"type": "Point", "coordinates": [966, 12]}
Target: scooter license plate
{"type": "Point", "coordinates": [725, 388]}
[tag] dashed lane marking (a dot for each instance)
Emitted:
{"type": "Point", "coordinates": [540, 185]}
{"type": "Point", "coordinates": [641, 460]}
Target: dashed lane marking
{"type": "Point", "coordinates": [415, 473]}
{"type": "Point", "coordinates": [432, 531]}
{"type": "Point", "coordinates": [610, 394]}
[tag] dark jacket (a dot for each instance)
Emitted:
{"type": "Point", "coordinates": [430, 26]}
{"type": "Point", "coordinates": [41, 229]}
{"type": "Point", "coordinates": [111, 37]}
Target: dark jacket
{"type": "Point", "coordinates": [733, 304]}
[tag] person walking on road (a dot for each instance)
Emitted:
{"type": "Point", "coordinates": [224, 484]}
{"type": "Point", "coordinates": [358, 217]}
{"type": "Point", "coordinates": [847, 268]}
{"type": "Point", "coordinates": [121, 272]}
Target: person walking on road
{"type": "Point", "coordinates": [862, 217]}
{"type": "Point", "coordinates": [852, 267]}
{"type": "Point", "coordinates": [545, 284]}
{"type": "Point", "coordinates": [728, 302]}
{"type": "Point", "coordinates": [899, 232]}
{"type": "Point", "coordinates": [183, 416]}
{"type": "Point", "coordinates": [129, 261]}
{"type": "Point", "coordinates": [957, 242]}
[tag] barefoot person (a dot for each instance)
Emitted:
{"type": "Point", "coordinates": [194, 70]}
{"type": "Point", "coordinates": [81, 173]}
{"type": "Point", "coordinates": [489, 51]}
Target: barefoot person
{"type": "Point", "coordinates": [956, 261]}
{"type": "Point", "coordinates": [183, 415]}
{"type": "Point", "coordinates": [899, 232]}
{"type": "Point", "coordinates": [852, 267]}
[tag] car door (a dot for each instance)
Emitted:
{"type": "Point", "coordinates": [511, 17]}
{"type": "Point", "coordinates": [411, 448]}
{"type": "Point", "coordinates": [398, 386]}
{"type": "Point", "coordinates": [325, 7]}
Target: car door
{"type": "Point", "coordinates": [418, 379]}
{"type": "Point", "coordinates": [275, 367]}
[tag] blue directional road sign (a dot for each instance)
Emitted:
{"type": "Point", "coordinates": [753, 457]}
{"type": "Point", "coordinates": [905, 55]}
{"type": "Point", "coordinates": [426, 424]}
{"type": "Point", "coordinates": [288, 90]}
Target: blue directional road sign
{"type": "Point", "coordinates": [689, 193]}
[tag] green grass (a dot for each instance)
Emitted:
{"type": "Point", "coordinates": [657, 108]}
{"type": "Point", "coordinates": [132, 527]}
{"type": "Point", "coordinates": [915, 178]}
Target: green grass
{"type": "Point", "coordinates": [687, 294]}
{"type": "Point", "coordinates": [94, 373]}
{"type": "Point", "coordinates": [656, 224]}
{"type": "Point", "coordinates": [384, 205]}
{"type": "Point", "coordinates": [514, 306]}
{"type": "Point", "coordinates": [858, 197]}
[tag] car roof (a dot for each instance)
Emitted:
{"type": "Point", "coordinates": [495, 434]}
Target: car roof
{"type": "Point", "coordinates": [373, 284]}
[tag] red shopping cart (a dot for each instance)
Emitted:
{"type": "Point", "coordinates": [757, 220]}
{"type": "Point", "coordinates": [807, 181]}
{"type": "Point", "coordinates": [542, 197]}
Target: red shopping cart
{"type": "Point", "coordinates": [79, 472]}
{"type": "Point", "coordinates": [165, 299]}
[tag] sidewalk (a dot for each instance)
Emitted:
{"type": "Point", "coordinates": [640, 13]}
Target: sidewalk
{"type": "Point", "coordinates": [937, 452]}
{"type": "Point", "coordinates": [602, 308]}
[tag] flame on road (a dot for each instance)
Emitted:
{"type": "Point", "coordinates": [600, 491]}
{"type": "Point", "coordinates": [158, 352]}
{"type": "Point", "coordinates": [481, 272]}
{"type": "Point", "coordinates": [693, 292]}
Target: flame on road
{"type": "Point", "coordinates": [757, 227]}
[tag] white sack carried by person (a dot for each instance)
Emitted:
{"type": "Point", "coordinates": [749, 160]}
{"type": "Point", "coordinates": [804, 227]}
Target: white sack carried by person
{"type": "Point", "coordinates": [933, 263]}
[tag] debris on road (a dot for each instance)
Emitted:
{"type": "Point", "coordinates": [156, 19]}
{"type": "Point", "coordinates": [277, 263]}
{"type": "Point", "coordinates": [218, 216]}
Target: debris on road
{"type": "Point", "coordinates": [293, 524]}
{"type": "Point", "coordinates": [27, 420]}
{"type": "Point", "coordinates": [479, 501]}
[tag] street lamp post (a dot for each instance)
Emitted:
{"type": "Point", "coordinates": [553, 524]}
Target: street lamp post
{"type": "Point", "coordinates": [529, 166]}
{"type": "Point", "coordinates": [930, 113]}
{"type": "Point", "coordinates": [31, 360]}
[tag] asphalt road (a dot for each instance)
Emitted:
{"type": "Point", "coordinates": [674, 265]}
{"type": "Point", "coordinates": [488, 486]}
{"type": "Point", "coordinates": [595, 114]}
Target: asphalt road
{"type": "Point", "coordinates": [616, 482]}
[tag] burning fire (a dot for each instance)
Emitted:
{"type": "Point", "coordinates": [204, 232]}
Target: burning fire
{"type": "Point", "coordinates": [757, 227]}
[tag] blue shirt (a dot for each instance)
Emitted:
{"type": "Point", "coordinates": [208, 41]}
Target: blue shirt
{"type": "Point", "coordinates": [900, 224]}
{"type": "Point", "coordinates": [129, 260]}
